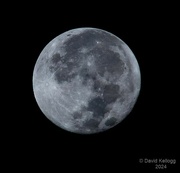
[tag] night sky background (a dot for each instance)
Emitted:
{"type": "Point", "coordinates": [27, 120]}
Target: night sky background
{"type": "Point", "coordinates": [150, 130]}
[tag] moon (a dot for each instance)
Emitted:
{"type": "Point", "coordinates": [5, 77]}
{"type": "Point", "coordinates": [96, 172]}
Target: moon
{"type": "Point", "coordinates": [86, 80]}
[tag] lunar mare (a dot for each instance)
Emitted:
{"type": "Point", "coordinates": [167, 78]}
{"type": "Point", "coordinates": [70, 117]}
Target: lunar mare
{"type": "Point", "coordinates": [86, 80]}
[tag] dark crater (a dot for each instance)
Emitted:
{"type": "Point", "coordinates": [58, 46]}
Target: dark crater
{"type": "Point", "coordinates": [97, 85]}
{"type": "Point", "coordinates": [55, 58]}
{"type": "Point", "coordinates": [111, 93]}
{"type": "Point", "coordinates": [86, 75]}
{"type": "Point", "coordinates": [64, 73]}
{"type": "Point", "coordinates": [54, 62]}
{"type": "Point", "coordinates": [97, 106]}
{"type": "Point", "coordinates": [91, 124]}
{"type": "Point", "coordinates": [77, 115]}
{"type": "Point", "coordinates": [87, 39]}
{"type": "Point", "coordinates": [110, 122]}
{"type": "Point", "coordinates": [88, 124]}
{"type": "Point", "coordinates": [110, 61]}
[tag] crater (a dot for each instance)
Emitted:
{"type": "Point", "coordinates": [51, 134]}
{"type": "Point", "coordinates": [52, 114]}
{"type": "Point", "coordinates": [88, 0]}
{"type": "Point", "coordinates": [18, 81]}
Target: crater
{"type": "Point", "coordinates": [77, 115]}
{"type": "Point", "coordinates": [91, 124]}
{"type": "Point", "coordinates": [97, 106]}
{"type": "Point", "coordinates": [56, 58]}
{"type": "Point", "coordinates": [97, 85]}
{"type": "Point", "coordinates": [85, 38]}
{"type": "Point", "coordinates": [54, 62]}
{"type": "Point", "coordinates": [111, 93]}
{"type": "Point", "coordinates": [62, 75]}
{"type": "Point", "coordinates": [110, 62]}
{"type": "Point", "coordinates": [111, 122]}
{"type": "Point", "coordinates": [86, 75]}
{"type": "Point", "coordinates": [65, 70]}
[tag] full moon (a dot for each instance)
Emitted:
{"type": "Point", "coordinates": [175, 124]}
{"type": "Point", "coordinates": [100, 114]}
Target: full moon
{"type": "Point", "coordinates": [86, 80]}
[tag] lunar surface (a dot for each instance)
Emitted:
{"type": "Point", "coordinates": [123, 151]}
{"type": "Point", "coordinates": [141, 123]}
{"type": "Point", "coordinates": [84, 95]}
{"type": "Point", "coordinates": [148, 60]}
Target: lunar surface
{"type": "Point", "coordinates": [86, 80]}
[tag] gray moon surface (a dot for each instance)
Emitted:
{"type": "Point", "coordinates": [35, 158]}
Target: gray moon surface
{"type": "Point", "coordinates": [86, 80]}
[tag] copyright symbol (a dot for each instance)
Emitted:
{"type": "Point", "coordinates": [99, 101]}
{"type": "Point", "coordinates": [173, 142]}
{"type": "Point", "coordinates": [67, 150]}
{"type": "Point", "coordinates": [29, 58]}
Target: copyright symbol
{"type": "Point", "coordinates": [140, 160]}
